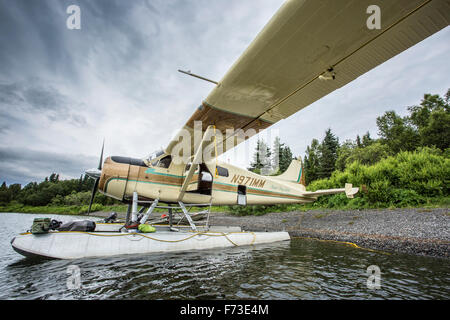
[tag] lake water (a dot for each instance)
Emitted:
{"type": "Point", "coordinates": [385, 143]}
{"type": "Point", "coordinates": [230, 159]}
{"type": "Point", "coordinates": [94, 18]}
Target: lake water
{"type": "Point", "coordinates": [299, 269]}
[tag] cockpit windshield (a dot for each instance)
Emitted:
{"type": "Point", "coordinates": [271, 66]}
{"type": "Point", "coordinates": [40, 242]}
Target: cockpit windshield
{"type": "Point", "coordinates": [155, 155]}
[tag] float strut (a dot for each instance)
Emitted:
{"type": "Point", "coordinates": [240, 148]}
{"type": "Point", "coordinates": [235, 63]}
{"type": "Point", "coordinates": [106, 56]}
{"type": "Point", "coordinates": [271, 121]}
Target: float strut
{"type": "Point", "coordinates": [149, 211]}
{"type": "Point", "coordinates": [188, 217]}
{"type": "Point", "coordinates": [127, 219]}
{"type": "Point", "coordinates": [134, 207]}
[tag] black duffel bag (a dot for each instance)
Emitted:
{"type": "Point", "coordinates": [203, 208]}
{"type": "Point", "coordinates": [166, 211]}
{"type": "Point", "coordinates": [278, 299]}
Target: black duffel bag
{"type": "Point", "coordinates": [78, 225]}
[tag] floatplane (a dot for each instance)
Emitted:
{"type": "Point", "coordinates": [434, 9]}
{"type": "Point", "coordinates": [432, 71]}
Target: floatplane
{"type": "Point", "coordinates": [307, 50]}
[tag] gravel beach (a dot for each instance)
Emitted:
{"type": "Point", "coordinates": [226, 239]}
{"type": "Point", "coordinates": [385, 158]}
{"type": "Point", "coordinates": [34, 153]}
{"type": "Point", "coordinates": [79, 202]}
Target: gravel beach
{"type": "Point", "coordinates": [417, 231]}
{"type": "Point", "coordinates": [414, 231]}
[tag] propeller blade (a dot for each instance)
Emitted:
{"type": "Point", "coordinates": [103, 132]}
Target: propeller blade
{"type": "Point", "coordinates": [101, 157]}
{"type": "Point", "coordinates": [94, 190]}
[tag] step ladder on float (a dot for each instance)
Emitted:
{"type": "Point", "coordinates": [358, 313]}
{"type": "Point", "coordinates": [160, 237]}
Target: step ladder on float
{"type": "Point", "coordinates": [182, 211]}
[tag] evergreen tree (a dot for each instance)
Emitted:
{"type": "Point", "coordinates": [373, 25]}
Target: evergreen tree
{"type": "Point", "coordinates": [261, 158]}
{"type": "Point", "coordinates": [277, 153]}
{"type": "Point", "coordinates": [367, 140]}
{"type": "Point", "coordinates": [328, 155]}
{"type": "Point", "coordinates": [5, 195]}
{"type": "Point", "coordinates": [286, 158]}
{"type": "Point", "coordinates": [358, 141]}
{"type": "Point", "coordinates": [281, 156]}
{"type": "Point", "coordinates": [311, 161]}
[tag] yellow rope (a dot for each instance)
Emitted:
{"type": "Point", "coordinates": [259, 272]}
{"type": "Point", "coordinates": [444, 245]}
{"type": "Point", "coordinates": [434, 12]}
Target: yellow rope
{"type": "Point", "coordinates": [354, 245]}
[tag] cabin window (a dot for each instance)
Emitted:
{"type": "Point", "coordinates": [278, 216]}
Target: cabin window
{"type": "Point", "coordinates": [223, 172]}
{"type": "Point", "coordinates": [206, 176]}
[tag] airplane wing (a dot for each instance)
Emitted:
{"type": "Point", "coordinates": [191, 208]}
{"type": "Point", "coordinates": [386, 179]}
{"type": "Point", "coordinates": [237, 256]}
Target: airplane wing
{"type": "Point", "coordinates": [307, 50]}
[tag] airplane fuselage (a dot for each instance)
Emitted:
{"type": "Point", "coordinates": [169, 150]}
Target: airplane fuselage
{"type": "Point", "coordinates": [228, 185]}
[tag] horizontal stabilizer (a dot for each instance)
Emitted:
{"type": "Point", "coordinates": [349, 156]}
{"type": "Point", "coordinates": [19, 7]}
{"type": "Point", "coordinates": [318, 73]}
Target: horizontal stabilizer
{"type": "Point", "coordinates": [349, 191]}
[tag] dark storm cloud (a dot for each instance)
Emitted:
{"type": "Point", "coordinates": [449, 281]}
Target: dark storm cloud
{"type": "Point", "coordinates": [38, 98]}
{"type": "Point", "coordinates": [26, 165]}
{"type": "Point", "coordinates": [44, 66]}
{"type": "Point", "coordinates": [46, 43]}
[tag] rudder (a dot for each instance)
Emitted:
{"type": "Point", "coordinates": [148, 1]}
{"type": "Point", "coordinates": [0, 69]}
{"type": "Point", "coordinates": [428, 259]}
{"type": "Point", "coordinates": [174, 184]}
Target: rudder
{"type": "Point", "coordinates": [294, 172]}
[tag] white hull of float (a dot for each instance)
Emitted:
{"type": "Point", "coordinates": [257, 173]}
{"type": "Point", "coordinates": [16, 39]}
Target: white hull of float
{"type": "Point", "coordinates": [76, 245]}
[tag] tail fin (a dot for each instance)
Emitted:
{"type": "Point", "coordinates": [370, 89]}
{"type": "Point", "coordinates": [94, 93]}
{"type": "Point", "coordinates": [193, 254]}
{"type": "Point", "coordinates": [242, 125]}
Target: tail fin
{"type": "Point", "coordinates": [294, 172]}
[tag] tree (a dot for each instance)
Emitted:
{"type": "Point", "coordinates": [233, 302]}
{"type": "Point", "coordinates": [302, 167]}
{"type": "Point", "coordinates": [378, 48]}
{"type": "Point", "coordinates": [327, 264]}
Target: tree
{"type": "Point", "coordinates": [368, 155]}
{"type": "Point", "coordinates": [281, 156]}
{"type": "Point", "coordinates": [431, 119]}
{"type": "Point", "coordinates": [358, 141]}
{"type": "Point", "coordinates": [367, 140]}
{"type": "Point", "coordinates": [420, 115]}
{"type": "Point", "coordinates": [437, 131]}
{"type": "Point", "coordinates": [397, 133]}
{"type": "Point", "coordinates": [286, 158]}
{"type": "Point", "coordinates": [261, 157]}
{"type": "Point", "coordinates": [311, 161]}
{"type": "Point", "coordinates": [344, 152]}
{"type": "Point", "coordinates": [5, 194]}
{"type": "Point", "coordinates": [277, 152]}
{"type": "Point", "coordinates": [328, 155]}
{"type": "Point", "coordinates": [15, 189]}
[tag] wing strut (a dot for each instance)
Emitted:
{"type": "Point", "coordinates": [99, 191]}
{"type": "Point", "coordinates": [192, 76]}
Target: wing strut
{"type": "Point", "coordinates": [198, 154]}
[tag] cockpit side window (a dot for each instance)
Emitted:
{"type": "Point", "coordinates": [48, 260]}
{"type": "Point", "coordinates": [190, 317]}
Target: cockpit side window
{"type": "Point", "coordinates": [165, 162]}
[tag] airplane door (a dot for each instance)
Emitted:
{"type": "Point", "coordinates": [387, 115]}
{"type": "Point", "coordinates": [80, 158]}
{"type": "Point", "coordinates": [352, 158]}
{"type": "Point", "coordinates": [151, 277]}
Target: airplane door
{"type": "Point", "coordinates": [242, 195]}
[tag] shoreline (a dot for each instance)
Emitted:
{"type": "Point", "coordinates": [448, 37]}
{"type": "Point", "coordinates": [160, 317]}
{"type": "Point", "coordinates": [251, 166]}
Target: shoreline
{"type": "Point", "coordinates": [417, 231]}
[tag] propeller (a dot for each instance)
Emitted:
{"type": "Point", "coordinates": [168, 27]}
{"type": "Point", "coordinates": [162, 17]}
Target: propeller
{"type": "Point", "coordinates": [95, 174]}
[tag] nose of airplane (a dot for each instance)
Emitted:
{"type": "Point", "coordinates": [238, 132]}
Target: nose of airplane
{"type": "Point", "coordinates": [94, 173]}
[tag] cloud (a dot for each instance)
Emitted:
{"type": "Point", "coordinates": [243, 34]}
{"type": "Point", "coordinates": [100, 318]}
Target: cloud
{"type": "Point", "coordinates": [62, 91]}
{"type": "Point", "coordinates": [24, 98]}
{"type": "Point", "coordinates": [19, 165]}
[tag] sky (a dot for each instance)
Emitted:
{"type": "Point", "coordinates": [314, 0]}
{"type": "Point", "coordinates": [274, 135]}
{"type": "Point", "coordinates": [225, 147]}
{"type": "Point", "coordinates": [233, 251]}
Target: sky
{"type": "Point", "coordinates": [62, 91]}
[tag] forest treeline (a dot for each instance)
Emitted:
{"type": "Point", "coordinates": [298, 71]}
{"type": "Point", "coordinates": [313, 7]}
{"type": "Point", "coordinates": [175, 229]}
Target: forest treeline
{"type": "Point", "coordinates": [53, 192]}
{"type": "Point", "coordinates": [407, 165]}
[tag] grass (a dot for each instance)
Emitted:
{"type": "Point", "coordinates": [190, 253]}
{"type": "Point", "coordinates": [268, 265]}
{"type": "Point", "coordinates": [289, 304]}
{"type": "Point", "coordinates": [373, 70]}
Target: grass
{"type": "Point", "coordinates": [342, 203]}
{"type": "Point", "coordinates": [350, 204]}
{"type": "Point", "coordinates": [79, 210]}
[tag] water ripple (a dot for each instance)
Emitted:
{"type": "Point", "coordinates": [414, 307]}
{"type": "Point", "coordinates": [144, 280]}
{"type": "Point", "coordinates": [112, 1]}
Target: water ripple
{"type": "Point", "coordinates": [300, 269]}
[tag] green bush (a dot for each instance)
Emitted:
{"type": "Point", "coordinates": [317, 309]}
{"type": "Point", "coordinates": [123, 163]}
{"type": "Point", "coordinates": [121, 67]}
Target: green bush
{"type": "Point", "coordinates": [406, 179]}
